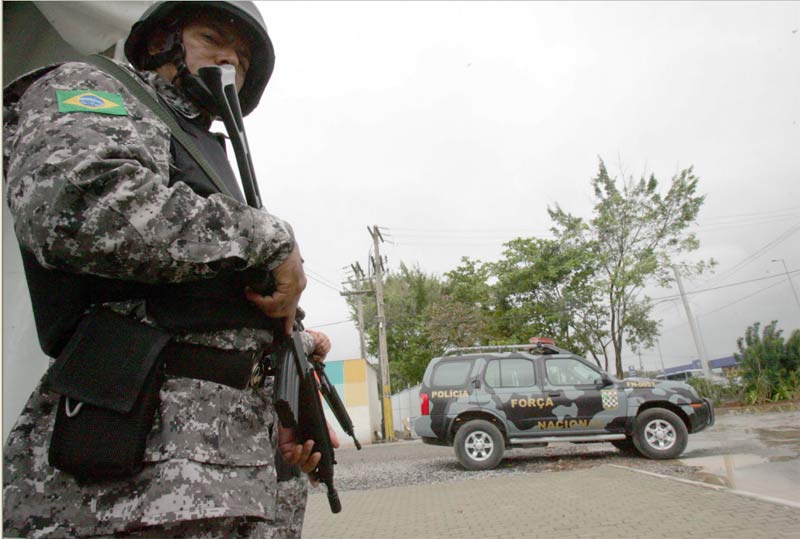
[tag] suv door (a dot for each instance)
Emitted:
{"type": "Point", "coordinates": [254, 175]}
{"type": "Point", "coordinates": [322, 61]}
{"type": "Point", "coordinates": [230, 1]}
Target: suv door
{"type": "Point", "coordinates": [580, 403]}
{"type": "Point", "coordinates": [510, 384]}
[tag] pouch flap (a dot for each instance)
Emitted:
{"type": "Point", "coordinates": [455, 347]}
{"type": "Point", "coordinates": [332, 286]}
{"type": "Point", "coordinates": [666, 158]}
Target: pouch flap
{"type": "Point", "coordinates": [107, 360]}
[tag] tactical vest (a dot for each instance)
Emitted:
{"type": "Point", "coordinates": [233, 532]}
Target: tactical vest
{"type": "Point", "coordinates": [60, 299]}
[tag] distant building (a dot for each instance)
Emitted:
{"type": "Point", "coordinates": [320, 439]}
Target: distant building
{"type": "Point", "coordinates": [356, 381]}
{"type": "Point", "coordinates": [720, 365]}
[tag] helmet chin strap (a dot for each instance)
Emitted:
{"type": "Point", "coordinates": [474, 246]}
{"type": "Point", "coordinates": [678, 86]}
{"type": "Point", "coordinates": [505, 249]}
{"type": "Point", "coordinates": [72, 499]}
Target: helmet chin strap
{"type": "Point", "coordinates": [192, 85]}
{"type": "Point", "coordinates": [195, 89]}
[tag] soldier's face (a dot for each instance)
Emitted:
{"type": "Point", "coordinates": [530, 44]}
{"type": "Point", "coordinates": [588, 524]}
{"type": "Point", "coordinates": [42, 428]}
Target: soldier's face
{"type": "Point", "coordinates": [210, 42]}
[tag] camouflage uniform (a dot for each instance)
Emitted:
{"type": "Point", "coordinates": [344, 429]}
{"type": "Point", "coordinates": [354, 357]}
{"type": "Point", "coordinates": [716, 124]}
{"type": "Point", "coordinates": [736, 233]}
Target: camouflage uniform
{"type": "Point", "coordinates": [90, 193]}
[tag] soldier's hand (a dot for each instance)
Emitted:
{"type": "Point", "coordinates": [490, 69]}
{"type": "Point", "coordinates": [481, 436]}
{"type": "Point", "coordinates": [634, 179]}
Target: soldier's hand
{"type": "Point", "coordinates": [290, 281]}
{"type": "Point", "coordinates": [295, 453]}
{"type": "Point", "coordinates": [300, 454]}
{"type": "Point", "coordinates": [322, 345]}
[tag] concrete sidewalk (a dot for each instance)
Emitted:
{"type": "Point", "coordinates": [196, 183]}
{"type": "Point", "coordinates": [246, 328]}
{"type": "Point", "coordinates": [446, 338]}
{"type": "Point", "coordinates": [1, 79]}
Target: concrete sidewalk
{"type": "Point", "coordinates": [595, 503]}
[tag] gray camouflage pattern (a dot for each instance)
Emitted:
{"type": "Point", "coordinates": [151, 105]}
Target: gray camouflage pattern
{"type": "Point", "coordinates": [544, 408]}
{"type": "Point", "coordinates": [89, 193]}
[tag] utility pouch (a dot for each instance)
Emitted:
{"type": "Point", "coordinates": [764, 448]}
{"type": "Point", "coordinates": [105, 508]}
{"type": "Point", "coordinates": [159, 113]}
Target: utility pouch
{"type": "Point", "coordinates": [109, 378]}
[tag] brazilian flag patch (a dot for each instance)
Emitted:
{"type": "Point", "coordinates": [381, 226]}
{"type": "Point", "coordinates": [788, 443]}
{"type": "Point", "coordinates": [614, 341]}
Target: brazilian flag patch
{"type": "Point", "coordinates": [90, 101]}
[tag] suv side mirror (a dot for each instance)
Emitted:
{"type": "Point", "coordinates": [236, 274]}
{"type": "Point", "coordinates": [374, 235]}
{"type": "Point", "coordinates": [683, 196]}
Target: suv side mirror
{"type": "Point", "coordinates": [604, 381]}
{"type": "Point", "coordinates": [476, 383]}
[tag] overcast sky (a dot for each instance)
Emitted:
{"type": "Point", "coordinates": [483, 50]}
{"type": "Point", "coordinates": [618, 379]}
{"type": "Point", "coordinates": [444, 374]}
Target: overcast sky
{"type": "Point", "coordinates": [454, 126]}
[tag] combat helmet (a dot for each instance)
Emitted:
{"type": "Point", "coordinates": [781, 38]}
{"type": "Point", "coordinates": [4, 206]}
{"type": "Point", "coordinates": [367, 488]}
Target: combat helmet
{"type": "Point", "coordinates": [158, 15]}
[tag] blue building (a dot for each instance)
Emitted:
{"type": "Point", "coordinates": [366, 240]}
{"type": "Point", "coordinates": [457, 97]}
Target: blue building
{"type": "Point", "coordinates": [722, 363]}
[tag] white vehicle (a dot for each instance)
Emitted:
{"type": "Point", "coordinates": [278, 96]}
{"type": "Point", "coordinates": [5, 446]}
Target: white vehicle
{"type": "Point", "coordinates": [683, 376]}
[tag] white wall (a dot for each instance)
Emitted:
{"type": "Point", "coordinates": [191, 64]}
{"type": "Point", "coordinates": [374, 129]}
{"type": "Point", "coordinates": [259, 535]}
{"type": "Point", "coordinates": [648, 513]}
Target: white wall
{"type": "Point", "coordinates": [405, 406]}
{"type": "Point", "coordinates": [24, 363]}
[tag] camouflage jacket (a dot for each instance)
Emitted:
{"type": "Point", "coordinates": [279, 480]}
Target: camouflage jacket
{"type": "Point", "coordinates": [89, 193]}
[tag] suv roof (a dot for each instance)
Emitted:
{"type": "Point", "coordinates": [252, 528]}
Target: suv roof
{"type": "Point", "coordinates": [536, 349]}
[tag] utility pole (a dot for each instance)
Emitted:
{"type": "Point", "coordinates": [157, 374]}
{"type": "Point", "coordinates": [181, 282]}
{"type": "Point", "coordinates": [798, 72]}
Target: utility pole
{"type": "Point", "coordinates": [788, 278]}
{"type": "Point", "coordinates": [641, 365]}
{"type": "Point", "coordinates": [358, 292]}
{"type": "Point", "coordinates": [383, 353]}
{"type": "Point", "coordinates": [361, 340]}
{"type": "Point", "coordinates": [661, 357]}
{"type": "Point", "coordinates": [693, 325]}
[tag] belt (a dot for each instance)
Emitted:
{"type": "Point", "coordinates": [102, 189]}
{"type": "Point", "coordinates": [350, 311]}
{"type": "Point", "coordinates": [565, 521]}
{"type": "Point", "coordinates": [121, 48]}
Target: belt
{"type": "Point", "coordinates": [231, 368]}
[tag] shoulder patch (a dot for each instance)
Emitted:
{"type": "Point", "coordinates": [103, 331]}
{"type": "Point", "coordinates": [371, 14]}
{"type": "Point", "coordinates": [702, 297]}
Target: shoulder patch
{"type": "Point", "coordinates": [90, 101]}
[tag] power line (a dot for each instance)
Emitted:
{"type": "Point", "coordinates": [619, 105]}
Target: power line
{"type": "Point", "coordinates": [323, 283]}
{"type": "Point", "coordinates": [751, 257]}
{"type": "Point", "coordinates": [439, 231]}
{"type": "Point", "coordinates": [331, 324]}
{"type": "Point", "coordinates": [316, 276]}
{"type": "Point", "coordinates": [676, 296]}
{"type": "Point", "coordinates": [773, 285]}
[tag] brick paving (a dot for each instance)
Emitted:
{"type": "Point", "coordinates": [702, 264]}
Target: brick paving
{"type": "Point", "coordinates": [583, 504]}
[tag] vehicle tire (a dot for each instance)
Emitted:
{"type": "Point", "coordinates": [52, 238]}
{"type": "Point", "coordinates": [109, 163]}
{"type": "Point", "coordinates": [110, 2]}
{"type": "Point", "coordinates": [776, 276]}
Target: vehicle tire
{"type": "Point", "coordinates": [479, 445]}
{"type": "Point", "coordinates": [659, 434]}
{"type": "Point", "coordinates": [626, 446]}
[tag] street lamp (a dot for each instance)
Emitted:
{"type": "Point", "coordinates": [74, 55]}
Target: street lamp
{"type": "Point", "coordinates": [789, 278]}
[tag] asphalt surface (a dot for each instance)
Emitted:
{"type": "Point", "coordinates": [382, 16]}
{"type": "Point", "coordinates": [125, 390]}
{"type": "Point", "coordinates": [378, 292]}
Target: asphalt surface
{"type": "Point", "coordinates": [408, 490]}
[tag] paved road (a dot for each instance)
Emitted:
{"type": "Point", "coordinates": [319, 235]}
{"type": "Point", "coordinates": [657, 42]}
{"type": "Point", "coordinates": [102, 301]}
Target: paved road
{"type": "Point", "coordinates": [575, 491]}
{"type": "Point", "coordinates": [581, 504]}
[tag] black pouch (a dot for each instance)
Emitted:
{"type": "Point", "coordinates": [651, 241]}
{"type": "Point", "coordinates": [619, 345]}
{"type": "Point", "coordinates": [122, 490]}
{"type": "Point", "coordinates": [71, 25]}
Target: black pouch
{"type": "Point", "coordinates": [109, 380]}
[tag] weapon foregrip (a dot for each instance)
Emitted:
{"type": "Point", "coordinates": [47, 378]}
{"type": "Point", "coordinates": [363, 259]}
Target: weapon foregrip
{"type": "Point", "coordinates": [287, 389]}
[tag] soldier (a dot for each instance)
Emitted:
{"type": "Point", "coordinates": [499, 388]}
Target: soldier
{"type": "Point", "coordinates": [103, 200]}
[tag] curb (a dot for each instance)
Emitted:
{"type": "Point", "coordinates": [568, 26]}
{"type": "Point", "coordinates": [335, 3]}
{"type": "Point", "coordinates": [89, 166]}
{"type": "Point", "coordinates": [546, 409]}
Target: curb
{"type": "Point", "coordinates": [753, 495]}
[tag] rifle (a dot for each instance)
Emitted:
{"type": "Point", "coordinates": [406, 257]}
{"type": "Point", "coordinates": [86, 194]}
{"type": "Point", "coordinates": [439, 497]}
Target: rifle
{"type": "Point", "coordinates": [297, 388]}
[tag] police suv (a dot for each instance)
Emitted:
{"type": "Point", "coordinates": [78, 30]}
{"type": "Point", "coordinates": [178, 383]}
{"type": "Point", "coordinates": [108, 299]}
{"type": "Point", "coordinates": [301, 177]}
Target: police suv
{"type": "Point", "coordinates": [483, 400]}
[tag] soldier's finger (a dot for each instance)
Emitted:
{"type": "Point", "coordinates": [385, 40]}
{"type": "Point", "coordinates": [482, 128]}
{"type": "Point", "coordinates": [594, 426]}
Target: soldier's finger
{"type": "Point", "coordinates": [334, 437]}
{"type": "Point", "coordinates": [288, 323]}
{"type": "Point", "coordinates": [306, 451]}
{"type": "Point", "coordinates": [292, 455]}
{"type": "Point", "coordinates": [274, 306]}
{"type": "Point", "coordinates": [311, 463]}
{"type": "Point", "coordinates": [265, 303]}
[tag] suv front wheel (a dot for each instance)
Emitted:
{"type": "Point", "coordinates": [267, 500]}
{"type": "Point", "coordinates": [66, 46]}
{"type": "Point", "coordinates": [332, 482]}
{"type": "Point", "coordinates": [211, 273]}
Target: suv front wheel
{"type": "Point", "coordinates": [479, 445]}
{"type": "Point", "coordinates": [659, 434]}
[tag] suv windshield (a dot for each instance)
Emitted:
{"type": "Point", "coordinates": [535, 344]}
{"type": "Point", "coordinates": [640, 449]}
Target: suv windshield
{"type": "Point", "coordinates": [569, 372]}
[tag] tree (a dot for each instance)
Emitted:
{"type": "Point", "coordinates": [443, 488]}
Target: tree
{"type": "Point", "coordinates": [544, 288]}
{"type": "Point", "coordinates": [769, 365]}
{"type": "Point", "coordinates": [633, 237]}
{"type": "Point", "coordinates": [462, 318]}
{"type": "Point", "coordinates": [409, 293]}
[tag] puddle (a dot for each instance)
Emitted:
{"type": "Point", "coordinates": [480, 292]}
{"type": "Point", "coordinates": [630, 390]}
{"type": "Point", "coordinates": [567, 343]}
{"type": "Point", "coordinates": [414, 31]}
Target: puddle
{"type": "Point", "coordinates": [769, 475]}
{"type": "Point", "coordinates": [789, 438]}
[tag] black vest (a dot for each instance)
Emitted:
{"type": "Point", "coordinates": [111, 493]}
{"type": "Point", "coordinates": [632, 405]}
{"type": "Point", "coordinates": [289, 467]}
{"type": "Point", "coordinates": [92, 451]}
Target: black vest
{"type": "Point", "coordinates": [60, 299]}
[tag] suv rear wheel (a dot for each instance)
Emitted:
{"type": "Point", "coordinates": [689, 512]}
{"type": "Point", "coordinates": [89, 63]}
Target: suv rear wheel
{"type": "Point", "coordinates": [479, 445]}
{"type": "Point", "coordinates": [659, 434]}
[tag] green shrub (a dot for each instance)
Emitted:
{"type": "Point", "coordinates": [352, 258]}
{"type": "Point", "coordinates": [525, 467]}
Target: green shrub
{"type": "Point", "coordinates": [716, 392]}
{"type": "Point", "coordinates": [769, 365]}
